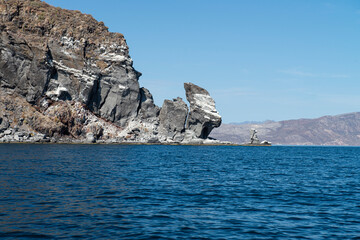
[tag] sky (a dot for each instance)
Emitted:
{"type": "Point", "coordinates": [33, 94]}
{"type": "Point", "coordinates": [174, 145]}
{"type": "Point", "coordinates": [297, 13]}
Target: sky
{"type": "Point", "coordinates": [259, 59]}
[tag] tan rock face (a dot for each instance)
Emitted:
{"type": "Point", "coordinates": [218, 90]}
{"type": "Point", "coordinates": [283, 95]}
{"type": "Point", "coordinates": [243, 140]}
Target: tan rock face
{"type": "Point", "coordinates": [20, 114]}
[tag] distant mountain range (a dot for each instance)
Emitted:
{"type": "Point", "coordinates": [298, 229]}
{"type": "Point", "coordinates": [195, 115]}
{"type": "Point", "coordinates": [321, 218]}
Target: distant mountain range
{"type": "Point", "coordinates": [250, 122]}
{"type": "Point", "coordinates": [341, 129]}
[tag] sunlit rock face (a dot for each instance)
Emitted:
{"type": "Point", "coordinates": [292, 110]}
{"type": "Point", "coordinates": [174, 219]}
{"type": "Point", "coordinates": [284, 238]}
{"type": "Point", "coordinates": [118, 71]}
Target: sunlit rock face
{"type": "Point", "coordinates": [66, 55]}
{"type": "Point", "coordinates": [203, 116]}
{"type": "Point", "coordinates": [65, 78]}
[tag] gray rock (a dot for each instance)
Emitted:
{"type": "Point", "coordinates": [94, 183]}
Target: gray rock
{"type": "Point", "coordinates": [6, 138]}
{"type": "Point", "coordinates": [38, 137]}
{"type": "Point", "coordinates": [189, 135]}
{"type": "Point", "coordinates": [203, 116]}
{"type": "Point", "coordinates": [147, 108]}
{"type": "Point", "coordinates": [8, 132]}
{"type": "Point", "coordinates": [90, 138]}
{"type": "Point", "coordinates": [17, 138]}
{"type": "Point", "coordinates": [116, 96]}
{"type": "Point", "coordinates": [46, 140]}
{"type": "Point", "coordinates": [90, 66]}
{"type": "Point", "coordinates": [178, 137]}
{"type": "Point", "coordinates": [4, 124]}
{"type": "Point", "coordinates": [74, 73]}
{"type": "Point", "coordinates": [172, 118]}
{"type": "Point", "coordinates": [21, 67]}
{"type": "Point", "coordinates": [19, 134]}
{"type": "Point", "coordinates": [135, 130]}
{"type": "Point", "coordinates": [153, 140]}
{"type": "Point", "coordinates": [110, 141]}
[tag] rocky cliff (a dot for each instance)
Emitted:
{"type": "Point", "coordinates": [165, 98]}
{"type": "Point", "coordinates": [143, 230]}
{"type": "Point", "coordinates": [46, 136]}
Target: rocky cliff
{"type": "Point", "coordinates": [341, 129]}
{"type": "Point", "coordinates": [65, 77]}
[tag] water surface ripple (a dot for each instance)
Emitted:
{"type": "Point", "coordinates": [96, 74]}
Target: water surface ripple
{"type": "Point", "coordinates": [178, 192]}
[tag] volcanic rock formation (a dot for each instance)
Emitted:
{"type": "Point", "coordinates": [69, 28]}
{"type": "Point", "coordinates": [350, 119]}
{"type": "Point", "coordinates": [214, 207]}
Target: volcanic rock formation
{"type": "Point", "coordinates": [64, 76]}
{"type": "Point", "coordinates": [172, 119]}
{"type": "Point", "coordinates": [203, 116]}
{"type": "Point", "coordinates": [66, 55]}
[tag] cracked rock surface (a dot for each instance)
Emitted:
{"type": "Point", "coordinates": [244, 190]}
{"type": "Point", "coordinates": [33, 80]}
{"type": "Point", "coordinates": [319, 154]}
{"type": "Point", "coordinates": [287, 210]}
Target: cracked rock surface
{"type": "Point", "coordinates": [203, 116]}
{"type": "Point", "coordinates": [66, 55]}
{"type": "Point", "coordinates": [65, 78]}
{"type": "Point", "coordinates": [172, 119]}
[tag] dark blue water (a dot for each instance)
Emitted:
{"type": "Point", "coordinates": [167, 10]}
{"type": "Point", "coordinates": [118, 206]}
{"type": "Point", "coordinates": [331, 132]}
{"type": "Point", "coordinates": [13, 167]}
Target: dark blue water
{"type": "Point", "coordinates": [179, 192]}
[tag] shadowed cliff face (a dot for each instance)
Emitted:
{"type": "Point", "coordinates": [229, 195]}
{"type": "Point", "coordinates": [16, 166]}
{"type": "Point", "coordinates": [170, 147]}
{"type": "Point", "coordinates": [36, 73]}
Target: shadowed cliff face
{"type": "Point", "coordinates": [66, 55]}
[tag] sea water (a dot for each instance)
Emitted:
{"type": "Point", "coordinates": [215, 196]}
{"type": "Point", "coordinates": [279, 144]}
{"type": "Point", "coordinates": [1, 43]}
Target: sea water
{"type": "Point", "coordinates": [178, 192]}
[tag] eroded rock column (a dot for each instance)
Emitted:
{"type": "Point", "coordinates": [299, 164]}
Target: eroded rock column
{"type": "Point", "coordinates": [203, 116]}
{"type": "Point", "coordinates": [172, 119]}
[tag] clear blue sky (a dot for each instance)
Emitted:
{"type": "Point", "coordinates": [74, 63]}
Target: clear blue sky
{"type": "Point", "coordinates": [278, 60]}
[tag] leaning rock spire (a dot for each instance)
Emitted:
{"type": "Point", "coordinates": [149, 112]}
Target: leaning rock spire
{"type": "Point", "coordinates": [203, 116]}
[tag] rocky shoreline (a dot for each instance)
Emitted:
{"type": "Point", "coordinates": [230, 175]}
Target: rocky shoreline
{"type": "Point", "coordinates": [11, 135]}
{"type": "Point", "coordinates": [64, 78]}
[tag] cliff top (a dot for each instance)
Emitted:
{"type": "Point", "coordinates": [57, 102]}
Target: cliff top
{"type": "Point", "coordinates": [38, 19]}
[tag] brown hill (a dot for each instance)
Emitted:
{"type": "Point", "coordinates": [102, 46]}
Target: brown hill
{"type": "Point", "coordinates": [341, 129]}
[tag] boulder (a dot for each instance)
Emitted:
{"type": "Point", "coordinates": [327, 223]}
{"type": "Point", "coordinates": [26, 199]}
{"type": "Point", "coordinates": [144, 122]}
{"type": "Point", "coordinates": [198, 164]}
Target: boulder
{"type": "Point", "coordinates": [172, 119]}
{"type": "Point", "coordinates": [90, 138]}
{"type": "Point", "coordinates": [38, 137]}
{"type": "Point", "coordinates": [8, 132]}
{"type": "Point", "coordinates": [203, 116]}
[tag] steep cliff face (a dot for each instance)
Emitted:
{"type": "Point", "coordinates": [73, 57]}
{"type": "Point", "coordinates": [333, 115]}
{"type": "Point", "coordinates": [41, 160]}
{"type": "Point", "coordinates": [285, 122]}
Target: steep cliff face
{"type": "Point", "coordinates": [203, 116]}
{"type": "Point", "coordinates": [75, 73]}
{"type": "Point", "coordinates": [66, 55]}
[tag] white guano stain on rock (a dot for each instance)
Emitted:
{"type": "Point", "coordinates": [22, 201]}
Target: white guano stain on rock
{"type": "Point", "coordinates": [56, 93]}
{"type": "Point", "coordinates": [76, 72]}
{"type": "Point", "coordinates": [207, 104]}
